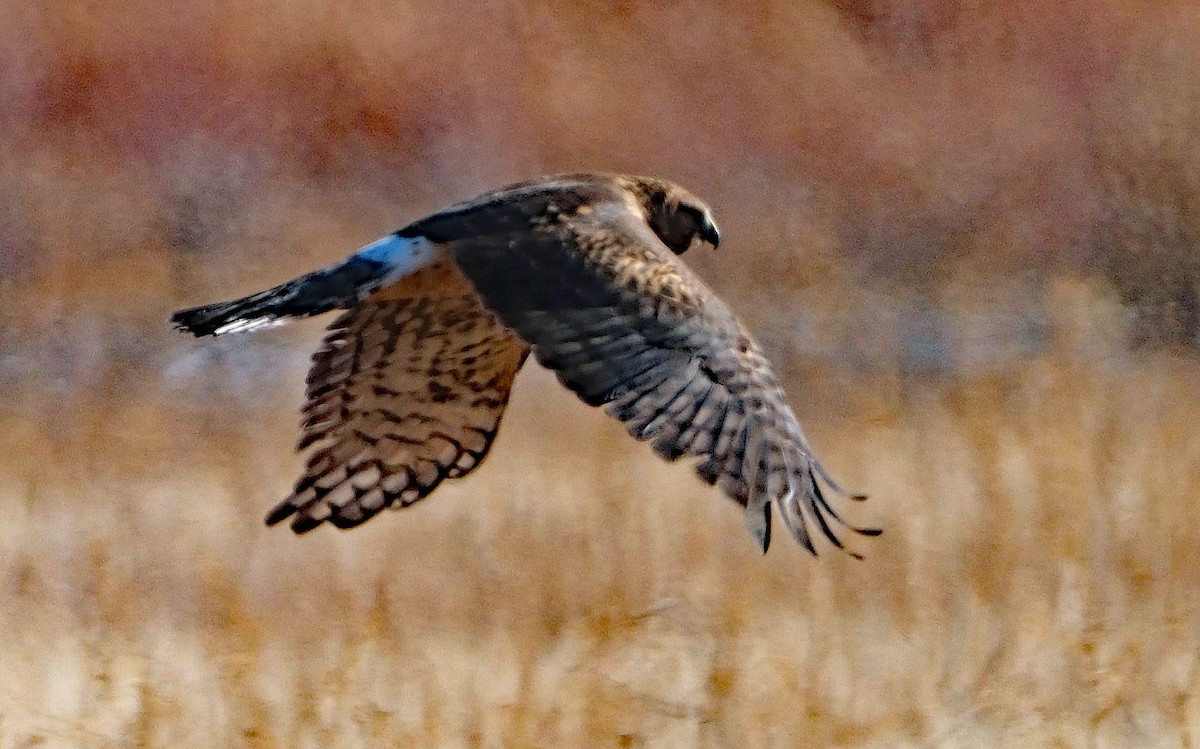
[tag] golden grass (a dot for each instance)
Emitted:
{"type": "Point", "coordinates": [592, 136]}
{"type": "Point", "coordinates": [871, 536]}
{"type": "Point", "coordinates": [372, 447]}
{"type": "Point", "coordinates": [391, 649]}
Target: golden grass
{"type": "Point", "coordinates": [1037, 584]}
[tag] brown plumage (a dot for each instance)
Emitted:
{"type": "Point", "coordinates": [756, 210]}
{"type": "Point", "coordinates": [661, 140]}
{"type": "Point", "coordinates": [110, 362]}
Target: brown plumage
{"type": "Point", "coordinates": [407, 389]}
{"type": "Point", "coordinates": [410, 385]}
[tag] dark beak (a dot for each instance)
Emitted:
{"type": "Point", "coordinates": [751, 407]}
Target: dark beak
{"type": "Point", "coordinates": [709, 233]}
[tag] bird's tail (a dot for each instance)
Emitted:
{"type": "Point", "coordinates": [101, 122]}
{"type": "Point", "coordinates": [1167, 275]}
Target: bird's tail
{"type": "Point", "coordinates": [270, 307]}
{"type": "Point", "coordinates": [335, 287]}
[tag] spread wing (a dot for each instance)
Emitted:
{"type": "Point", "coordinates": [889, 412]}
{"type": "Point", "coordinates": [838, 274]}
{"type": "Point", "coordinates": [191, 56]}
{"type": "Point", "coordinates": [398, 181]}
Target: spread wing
{"type": "Point", "coordinates": [407, 389]}
{"type": "Point", "coordinates": [627, 326]}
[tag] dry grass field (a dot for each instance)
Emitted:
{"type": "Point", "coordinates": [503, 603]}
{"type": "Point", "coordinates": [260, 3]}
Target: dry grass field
{"type": "Point", "coordinates": [965, 231]}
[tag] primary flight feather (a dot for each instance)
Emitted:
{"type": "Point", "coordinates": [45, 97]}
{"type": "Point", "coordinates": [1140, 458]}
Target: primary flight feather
{"type": "Point", "coordinates": [410, 384]}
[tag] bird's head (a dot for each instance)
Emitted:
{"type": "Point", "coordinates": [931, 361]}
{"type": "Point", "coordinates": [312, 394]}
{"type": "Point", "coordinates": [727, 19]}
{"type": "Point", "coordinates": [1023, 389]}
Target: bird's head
{"type": "Point", "coordinates": [677, 216]}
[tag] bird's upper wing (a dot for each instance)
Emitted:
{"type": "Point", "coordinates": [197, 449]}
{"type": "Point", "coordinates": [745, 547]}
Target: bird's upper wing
{"type": "Point", "coordinates": [578, 274]}
{"type": "Point", "coordinates": [407, 390]}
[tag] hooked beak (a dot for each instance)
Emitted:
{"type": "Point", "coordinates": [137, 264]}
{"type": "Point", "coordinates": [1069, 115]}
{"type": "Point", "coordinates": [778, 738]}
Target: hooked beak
{"type": "Point", "coordinates": [709, 233]}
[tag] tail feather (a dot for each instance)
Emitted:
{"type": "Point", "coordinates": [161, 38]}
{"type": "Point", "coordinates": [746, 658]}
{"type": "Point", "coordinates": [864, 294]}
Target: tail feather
{"type": "Point", "coordinates": [336, 287]}
{"type": "Point", "coordinates": [255, 311]}
{"type": "Point", "coordinates": [320, 291]}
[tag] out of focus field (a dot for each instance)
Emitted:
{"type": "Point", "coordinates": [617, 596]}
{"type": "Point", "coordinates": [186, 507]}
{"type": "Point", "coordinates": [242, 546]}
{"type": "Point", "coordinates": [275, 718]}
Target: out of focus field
{"type": "Point", "coordinates": [966, 233]}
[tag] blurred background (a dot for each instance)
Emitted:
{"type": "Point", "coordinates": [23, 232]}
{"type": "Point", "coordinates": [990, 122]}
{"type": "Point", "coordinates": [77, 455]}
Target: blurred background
{"type": "Point", "coordinates": [965, 232]}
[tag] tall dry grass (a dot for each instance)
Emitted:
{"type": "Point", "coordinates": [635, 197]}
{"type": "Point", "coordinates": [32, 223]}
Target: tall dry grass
{"type": "Point", "coordinates": [963, 230]}
{"type": "Point", "coordinates": [1037, 584]}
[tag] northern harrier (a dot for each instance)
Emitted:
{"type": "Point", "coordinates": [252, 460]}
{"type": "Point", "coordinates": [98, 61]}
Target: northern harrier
{"type": "Point", "coordinates": [409, 385]}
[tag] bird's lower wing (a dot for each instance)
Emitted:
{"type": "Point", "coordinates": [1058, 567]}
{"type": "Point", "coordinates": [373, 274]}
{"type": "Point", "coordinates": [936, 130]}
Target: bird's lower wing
{"type": "Point", "coordinates": [407, 389]}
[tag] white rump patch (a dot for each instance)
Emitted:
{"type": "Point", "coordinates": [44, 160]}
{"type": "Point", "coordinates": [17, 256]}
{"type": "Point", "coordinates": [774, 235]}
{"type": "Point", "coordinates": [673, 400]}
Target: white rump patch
{"type": "Point", "coordinates": [403, 256]}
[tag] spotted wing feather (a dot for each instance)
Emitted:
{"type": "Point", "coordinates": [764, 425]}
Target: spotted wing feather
{"type": "Point", "coordinates": [407, 390]}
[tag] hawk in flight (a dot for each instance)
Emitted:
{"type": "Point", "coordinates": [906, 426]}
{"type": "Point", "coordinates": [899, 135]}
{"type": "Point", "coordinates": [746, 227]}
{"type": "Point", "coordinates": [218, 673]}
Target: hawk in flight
{"type": "Point", "coordinates": [410, 383]}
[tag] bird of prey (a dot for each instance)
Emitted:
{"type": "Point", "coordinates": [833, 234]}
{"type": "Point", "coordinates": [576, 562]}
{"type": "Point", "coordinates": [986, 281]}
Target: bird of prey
{"type": "Point", "coordinates": [410, 383]}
